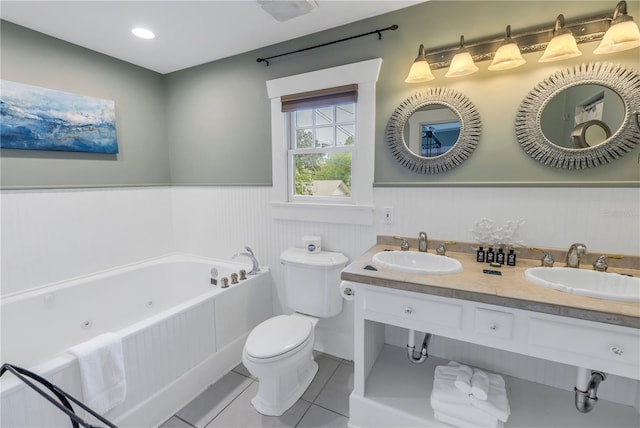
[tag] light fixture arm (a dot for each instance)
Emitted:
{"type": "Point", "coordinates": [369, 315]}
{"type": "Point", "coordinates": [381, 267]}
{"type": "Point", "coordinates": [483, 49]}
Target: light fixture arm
{"type": "Point", "coordinates": [620, 13]}
{"type": "Point", "coordinates": [559, 26]}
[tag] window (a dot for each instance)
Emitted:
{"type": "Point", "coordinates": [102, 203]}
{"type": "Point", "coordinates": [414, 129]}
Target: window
{"type": "Point", "coordinates": [319, 131]}
{"type": "Point", "coordinates": [322, 137]}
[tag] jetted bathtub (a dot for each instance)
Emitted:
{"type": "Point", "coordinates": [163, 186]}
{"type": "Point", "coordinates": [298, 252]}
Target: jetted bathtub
{"type": "Point", "coordinates": [179, 332]}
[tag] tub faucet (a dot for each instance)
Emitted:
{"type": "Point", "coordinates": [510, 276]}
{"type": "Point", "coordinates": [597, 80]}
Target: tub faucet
{"type": "Point", "coordinates": [574, 253]}
{"type": "Point", "coordinates": [423, 243]}
{"type": "Point", "coordinates": [254, 261]}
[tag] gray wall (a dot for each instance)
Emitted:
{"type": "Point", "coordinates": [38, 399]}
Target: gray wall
{"type": "Point", "coordinates": [35, 59]}
{"type": "Point", "coordinates": [217, 114]}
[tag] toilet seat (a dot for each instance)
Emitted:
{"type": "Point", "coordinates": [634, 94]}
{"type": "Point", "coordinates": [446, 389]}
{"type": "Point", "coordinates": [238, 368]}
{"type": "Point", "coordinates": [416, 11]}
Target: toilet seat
{"type": "Point", "coordinates": [278, 336]}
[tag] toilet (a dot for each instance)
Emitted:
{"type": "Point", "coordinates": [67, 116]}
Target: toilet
{"type": "Point", "coordinates": [279, 351]}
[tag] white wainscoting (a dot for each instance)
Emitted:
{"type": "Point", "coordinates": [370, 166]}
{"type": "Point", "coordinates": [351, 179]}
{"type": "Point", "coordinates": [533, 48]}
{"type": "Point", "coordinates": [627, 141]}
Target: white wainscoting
{"type": "Point", "coordinates": [53, 235]}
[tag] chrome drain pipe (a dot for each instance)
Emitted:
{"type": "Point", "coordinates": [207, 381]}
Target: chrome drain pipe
{"type": "Point", "coordinates": [411, 354]}
{"type": "Point", "coordinates": [585, 400]}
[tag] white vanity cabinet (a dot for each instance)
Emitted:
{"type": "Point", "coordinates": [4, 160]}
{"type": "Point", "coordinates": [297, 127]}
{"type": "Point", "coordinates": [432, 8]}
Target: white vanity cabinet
{"type": "Point", "coordinates": [389, 391]}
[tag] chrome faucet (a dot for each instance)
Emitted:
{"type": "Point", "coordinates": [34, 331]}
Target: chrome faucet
{"type": "Point", "coordinates": [574, 253]}
{"type": "Point", "coordinates": [423, 243]}
{"type": "Point", "coordinates": [254, 261]}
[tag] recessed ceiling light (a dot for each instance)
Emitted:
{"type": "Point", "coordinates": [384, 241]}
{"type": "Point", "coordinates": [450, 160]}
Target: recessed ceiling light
{"type": "Point", "coordinates": [143, 33]}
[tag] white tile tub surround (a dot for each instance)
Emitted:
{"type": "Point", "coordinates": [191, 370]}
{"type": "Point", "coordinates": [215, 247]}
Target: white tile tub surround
{"type": "Point", "coordinates": [179, 335]}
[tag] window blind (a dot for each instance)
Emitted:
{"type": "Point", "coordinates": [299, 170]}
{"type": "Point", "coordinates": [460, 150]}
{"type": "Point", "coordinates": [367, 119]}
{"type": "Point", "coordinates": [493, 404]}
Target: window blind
{"type": "Point", "coordinates": [320, 98]}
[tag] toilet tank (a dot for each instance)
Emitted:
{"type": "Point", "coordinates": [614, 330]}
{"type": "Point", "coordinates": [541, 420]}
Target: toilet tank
{"type": "Point", "coordinates": [312, 281]}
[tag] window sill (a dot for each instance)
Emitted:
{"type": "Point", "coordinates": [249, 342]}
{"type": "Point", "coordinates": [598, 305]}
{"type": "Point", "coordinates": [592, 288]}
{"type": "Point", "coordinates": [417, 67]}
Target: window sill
{"type": "Point", "coordinates": [323, 213]}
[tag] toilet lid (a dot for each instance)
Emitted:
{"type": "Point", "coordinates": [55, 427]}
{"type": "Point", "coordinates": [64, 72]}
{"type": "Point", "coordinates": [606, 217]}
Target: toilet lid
{"type": "Point", "coordinates": [277, 335]}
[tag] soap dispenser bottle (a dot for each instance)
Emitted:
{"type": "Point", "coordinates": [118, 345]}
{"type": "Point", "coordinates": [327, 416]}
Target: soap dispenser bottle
{"type": "Point", "coordinates": [511, 258]}
{"type": "Point", "coordinates": [480, 255]}
{"type": "Point", "coordinates": [500, 256]}
{"type": "Point", "coordinates": [491, 255]}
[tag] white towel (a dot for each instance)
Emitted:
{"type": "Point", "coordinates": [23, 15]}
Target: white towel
{"type": "Point", "coordinates": [445, 391]}
{"type": "Point", "coordinates": [101, 362]}
{"type": "Point", "coordinates": [497, 403]}
{"type": "Point", "coordinates": [457, 422]}
{"type": "Point", "coordinates": [463, 380]}
{"type": "Point", "coordinates": [479, 384]}
{"type": "Point", "coordinates": [468, 415]}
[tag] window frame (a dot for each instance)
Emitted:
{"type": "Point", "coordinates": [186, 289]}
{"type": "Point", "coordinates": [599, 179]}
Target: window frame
{"type": "Point", "coordinates": [360, 209]}
{"type": "Point", "coordinates": [293, 151]}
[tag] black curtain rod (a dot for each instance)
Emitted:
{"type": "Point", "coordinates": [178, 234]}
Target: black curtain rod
{"type": "Point", "coordinates": [378, 32]}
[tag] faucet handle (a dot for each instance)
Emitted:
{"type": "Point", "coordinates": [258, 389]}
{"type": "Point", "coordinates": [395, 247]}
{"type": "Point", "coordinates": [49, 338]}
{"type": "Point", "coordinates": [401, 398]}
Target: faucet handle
{"type": "Point", "coordinates": [547, 260]}
{"type": "Point", "coordinates": [404, 245]}
{"type": "Point", "coordinates": [601, 264]}
{"type": "Point", "coordinates": [441, 250]}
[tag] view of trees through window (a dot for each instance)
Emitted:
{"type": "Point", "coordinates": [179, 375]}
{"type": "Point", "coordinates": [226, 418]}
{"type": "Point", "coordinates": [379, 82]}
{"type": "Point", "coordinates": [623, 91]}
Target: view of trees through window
{"type": "Point", "coordinates": [324, 138]}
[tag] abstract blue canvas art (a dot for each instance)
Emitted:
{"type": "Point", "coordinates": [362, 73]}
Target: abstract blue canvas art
{"type": "Point", "coordinates": [35, 118]}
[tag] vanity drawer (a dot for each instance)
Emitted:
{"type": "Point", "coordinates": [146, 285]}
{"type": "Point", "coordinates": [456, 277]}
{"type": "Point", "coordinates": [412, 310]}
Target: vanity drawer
{"type": "Point", "coordinates": [430, 311]}
{"type": "Point", "coordinates": [618, 346]}
{"type": "Point", "coordinates": [493, 323]}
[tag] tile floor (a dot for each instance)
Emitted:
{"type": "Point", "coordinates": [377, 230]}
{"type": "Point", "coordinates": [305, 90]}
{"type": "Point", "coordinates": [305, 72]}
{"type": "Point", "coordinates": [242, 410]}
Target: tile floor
{"type": "Point", "coordinates": [227, 403]}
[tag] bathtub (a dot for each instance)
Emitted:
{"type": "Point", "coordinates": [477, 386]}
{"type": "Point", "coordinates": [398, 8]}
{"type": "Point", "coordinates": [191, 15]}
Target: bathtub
{"type": "Point", "coordinates": [179, 332]}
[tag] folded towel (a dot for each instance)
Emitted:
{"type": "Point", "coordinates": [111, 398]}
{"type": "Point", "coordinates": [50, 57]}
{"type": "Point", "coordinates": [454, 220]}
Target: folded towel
{"type": "Point", "coordinates": [461, 423]}
{"type": "Point", "coordinates": [497, 403]}
{"type": "Point", "coordinates": [463, 380]}
{"type": "Point", "coordinates": [479, 384]}
{"type": "Point", "coordinates": [444, 386]}
{"type": "Point", "coordinates": [468, 415]}
{"type": "Point", "coordinates": [445, 391]}
{"type": "Point", "coordinates": [101, 363]}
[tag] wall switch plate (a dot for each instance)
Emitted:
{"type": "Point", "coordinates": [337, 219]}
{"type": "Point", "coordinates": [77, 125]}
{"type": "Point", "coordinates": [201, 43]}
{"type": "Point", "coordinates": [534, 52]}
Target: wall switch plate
{"type": "Point", "coordinates": [387, 213]}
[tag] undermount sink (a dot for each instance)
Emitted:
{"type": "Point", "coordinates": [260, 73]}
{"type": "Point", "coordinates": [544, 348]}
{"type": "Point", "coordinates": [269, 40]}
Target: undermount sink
{"type": "Point", "coordinates": [603, 285]}
{"type": "Point", "coordinates": [416, 262]}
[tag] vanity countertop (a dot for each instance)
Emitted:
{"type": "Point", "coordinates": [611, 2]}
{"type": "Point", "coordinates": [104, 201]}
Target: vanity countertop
{"type": "Point", "coordinates": [510, 289]}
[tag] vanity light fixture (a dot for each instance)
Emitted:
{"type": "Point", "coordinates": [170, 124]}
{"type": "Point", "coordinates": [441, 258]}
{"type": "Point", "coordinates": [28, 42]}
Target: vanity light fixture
{"type": "Point", "coordinates": [508, 55]}
{"type": "Point", "coordinates": [420, 70]}
{"type": "Point", "coordinates": [143, 33]}
{"type": "Point", "coordinates": [623, 33]}
{"type": "Point", "coordinates": [558, 40]}
{"type": "Point", "coordinates": [562, 46]}
{"type": "Point", "coordinates": [462, 63]}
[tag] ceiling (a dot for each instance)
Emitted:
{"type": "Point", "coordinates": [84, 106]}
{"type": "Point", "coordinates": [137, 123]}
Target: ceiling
{"type": "Point", "coordinates": [188, 33]}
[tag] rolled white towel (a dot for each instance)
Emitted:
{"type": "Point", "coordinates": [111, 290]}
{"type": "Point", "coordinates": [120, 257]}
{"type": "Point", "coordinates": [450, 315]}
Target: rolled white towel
{"type": "Point", "coordinates": [463, 377]}
{"type": "Point", "coordinates": [497, 403]}
{"type": "Point", "coordinates": [479, 384]}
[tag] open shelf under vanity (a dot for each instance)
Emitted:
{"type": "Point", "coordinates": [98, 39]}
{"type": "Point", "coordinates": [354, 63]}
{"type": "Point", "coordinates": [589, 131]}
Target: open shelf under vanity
{"type": "Point", "coordinates": [397, 393]}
